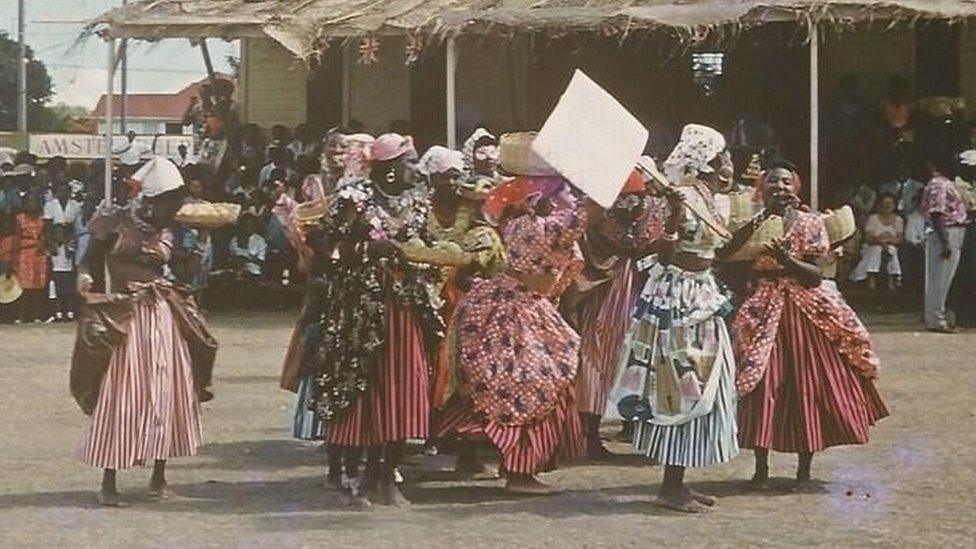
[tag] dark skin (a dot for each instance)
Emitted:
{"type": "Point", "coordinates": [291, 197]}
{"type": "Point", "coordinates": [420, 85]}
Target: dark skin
{"type": "Point", "coordinates": [160, 212]}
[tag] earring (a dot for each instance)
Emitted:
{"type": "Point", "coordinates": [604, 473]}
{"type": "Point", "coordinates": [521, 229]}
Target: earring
{"type": "Point", "coordinates": [390, 176]}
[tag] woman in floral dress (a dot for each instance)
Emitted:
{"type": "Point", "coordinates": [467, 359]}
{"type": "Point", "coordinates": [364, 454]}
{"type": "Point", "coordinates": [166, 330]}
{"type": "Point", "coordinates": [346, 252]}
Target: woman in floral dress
{"type": "Point", "coordinates": [517, 357]}
{"type": "Point", "coordinates": [806, 362]}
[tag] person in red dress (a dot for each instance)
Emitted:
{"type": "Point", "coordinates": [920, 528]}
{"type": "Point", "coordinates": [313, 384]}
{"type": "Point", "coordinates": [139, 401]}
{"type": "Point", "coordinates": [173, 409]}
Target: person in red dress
{"type": "Point", "coordinates": [31, 265]}
{"type": "Point", "coordinates": [806, 365]}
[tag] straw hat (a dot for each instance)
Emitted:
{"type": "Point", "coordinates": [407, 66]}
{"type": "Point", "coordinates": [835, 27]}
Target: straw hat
{"type": "Point", "coordinates": [516, 157]}
{"type": "Point", "coordinates": [10, 289]}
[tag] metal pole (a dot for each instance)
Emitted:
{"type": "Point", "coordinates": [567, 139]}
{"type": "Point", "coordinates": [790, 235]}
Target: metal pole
{"type": "Point", "coordinates": [814, 118]}
{"type": "Point", "coordinates": [206, 58]}
{"type": "Point", "coordinates": [451, 93]}
{"type": "Point", "coordinates": [110, 85]}
{"type": "Point", "coordinates": [21, 70]}
{"type": "Point", "coordinates": [124, 85]}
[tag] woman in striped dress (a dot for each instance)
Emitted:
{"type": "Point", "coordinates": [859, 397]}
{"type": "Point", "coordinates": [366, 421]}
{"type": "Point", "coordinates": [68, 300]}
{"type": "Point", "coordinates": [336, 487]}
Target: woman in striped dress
{"type": "Point", "coordinates": [600, 303]}
{"type": "Point", "coordinates": [144, 356]}
{"type": "Point", "coordinates": [379, 317]}
{"type": "Point", "coordinates": [806, 362]}
{"type": "Point", "coordinates": [679, 367]}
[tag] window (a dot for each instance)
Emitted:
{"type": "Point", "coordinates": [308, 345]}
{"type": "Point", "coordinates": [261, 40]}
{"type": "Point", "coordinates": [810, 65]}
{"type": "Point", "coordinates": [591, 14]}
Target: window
{"type": "Point", "coordinates": [706, 67]}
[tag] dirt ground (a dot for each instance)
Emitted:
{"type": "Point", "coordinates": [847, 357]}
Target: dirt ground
{"type": "Point", "coordinates": [252, 486]}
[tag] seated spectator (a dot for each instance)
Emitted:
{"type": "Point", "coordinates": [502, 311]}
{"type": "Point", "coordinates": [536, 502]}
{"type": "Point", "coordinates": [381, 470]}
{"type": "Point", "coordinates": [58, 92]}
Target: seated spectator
{"type": "Point", "coordinates": [883, 233]}
{"type": "Point", "coordinates": [904, 188]}
{"type": "Point", "coordinates": [248, 248]}
{"type": "Point", "coordinates": [305, 142]}
{"type": "Point", "coordinates": [280, 252]}
{"type": "Point", "coordinates": [280, 159]}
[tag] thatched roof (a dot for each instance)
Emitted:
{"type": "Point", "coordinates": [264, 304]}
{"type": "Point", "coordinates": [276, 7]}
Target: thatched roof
{"type": "Point", "coordinates": [300, 25]}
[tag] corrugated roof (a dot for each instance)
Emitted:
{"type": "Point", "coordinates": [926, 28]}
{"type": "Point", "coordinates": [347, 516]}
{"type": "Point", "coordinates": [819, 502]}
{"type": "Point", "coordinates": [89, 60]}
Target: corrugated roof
{"type": "Point", "coordinates": [300, 24]}
{"type": "Point", "coordinates": [159, 106]}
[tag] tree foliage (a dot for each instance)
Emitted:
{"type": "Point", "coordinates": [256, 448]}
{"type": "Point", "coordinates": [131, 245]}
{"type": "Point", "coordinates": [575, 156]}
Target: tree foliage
{"type": "Point", "coordinates": [39, 88]}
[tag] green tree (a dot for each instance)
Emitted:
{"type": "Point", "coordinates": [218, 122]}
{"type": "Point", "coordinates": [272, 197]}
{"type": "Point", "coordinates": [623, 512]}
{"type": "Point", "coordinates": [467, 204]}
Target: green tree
{"type": "Point", "coordinates": [58, 118]}
{"type": "Point", "coordinates": [39, 90]}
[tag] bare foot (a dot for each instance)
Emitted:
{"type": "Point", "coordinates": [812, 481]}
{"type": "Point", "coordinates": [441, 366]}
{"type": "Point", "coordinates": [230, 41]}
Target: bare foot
{"type": "Point", "coordinates": [392, 496]}
{"type": "Point", "coordinates": [333, 482]}
{"type": "Point", "coordinates": [160, 491]}
{"type": "Point", "coordinates": [759, 482]}
{"type": "Point", "coordinates": [682, 502]}
{"type": "Point", "coordinates": [805, 486]}
{"type": "Point", "coordinates": [355, 496]}
{"type": "Point", "coordinates": [529, 485]}
{"type": "Point", "coordinates": [110, 499]}
{"type": "Point", "coordinates": [470, 464]}
{"type": "Point", "coordinates": [704, 499]}
{"type": "Point", "coordinates": [598, 452]}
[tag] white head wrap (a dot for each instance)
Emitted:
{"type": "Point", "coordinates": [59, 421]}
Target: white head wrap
{"type": "Point", "coordinates": [469, 144]}
{"type": "Point", "coordinates": [440, 159]}
{"type": "Point", "coordinates": [968, 158]}
{"type": "Point", "coordinates": [158, 176]}
{"type": "Point", "coordinates": [698, 146]}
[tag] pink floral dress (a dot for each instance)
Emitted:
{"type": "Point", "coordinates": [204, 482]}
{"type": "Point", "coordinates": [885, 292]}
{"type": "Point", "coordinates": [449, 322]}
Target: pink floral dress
{"type": "Point", "coordinates": [517, 354]}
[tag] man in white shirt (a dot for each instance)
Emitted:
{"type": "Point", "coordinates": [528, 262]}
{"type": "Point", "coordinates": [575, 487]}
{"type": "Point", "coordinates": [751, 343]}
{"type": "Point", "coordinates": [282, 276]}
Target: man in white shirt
{"type": "Point", "coordinates": [132, 151]}
{"type": "Point", "coordinates": [60, 213]}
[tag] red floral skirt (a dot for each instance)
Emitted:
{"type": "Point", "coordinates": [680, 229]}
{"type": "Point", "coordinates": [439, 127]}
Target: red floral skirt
{"type": "Point", "coordinates": [809, 398]}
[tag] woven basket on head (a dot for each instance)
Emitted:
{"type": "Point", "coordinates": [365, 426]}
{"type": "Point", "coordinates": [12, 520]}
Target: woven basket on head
{"type": "Point", "coordinates": [516, 157]}
{"type": "Point", "coordinates": [208, 215]}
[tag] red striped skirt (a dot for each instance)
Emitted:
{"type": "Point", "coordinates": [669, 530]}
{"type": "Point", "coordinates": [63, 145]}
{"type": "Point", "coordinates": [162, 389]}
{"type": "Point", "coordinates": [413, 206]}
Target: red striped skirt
{"type": "Point", "coordinates": [603, 328]}
{"type": "Point", "coordinates": [809, 399]}
{"type": "Point", "coordinates": [147, 408]}
{"type": "Point", "coordinates": [397, 406]}
{"type": "Point", "coordinates": [525, 449]}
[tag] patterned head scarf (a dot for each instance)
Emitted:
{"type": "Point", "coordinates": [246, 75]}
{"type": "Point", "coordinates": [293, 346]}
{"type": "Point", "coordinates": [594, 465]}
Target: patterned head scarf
{"type": "Point", "coordinates": [698, 146]}
{"type": "Point", "coordinates": [440, 159]}
{"type": "Point", "coordinates": [358, 154]}
{"type": "Point", "coordinates": [519, 192]}
{"type": "Point", "coordinates": [484, 137]}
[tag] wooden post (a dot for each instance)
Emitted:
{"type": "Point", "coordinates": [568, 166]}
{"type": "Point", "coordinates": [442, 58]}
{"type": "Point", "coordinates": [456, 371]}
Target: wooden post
{"type": "Point", "coordinates": [451, 93]}
{"type": "Point", "coordinates": [346, 85]}
{"type": "Point", "coordinates": [814, 117]}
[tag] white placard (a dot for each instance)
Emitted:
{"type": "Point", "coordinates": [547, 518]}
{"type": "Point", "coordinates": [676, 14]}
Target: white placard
{"type": "Point", "coordinates": [592, 140]}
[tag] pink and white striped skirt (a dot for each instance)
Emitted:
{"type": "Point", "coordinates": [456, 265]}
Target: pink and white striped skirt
{"type": "Point", "coordinates": [147, 408]}
{"type": "Point", "coordinates": [397, 406]}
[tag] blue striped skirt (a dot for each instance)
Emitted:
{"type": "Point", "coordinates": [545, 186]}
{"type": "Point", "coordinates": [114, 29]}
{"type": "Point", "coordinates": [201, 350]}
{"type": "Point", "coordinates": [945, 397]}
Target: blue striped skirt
{"type": "Point", "coordinates": [307, 426]}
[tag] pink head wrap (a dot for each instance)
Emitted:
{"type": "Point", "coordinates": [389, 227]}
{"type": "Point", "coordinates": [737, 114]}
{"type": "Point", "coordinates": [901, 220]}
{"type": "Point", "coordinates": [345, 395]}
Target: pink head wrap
{"type": "Point", "coordinates": [391, 146]}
